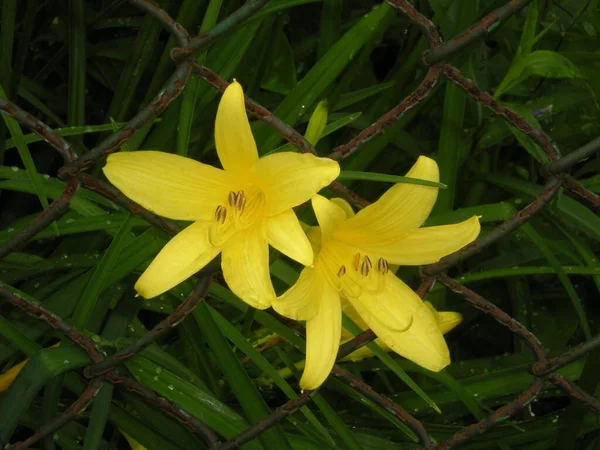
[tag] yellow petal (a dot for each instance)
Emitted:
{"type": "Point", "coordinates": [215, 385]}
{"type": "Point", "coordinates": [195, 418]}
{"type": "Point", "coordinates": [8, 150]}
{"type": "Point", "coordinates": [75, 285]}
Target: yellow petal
{"type": "Point", "coordinates": [322, 340]}
{"type": "Point", "coordinates": [329, 215]}
{"type": "Point", "coordinates": [429, 245]}
{"type": "Point", "coordinates": [446, 320]}
{"type": "Point", "coordinates": [245, 263]}
{"type": "Point", "coordinates": [301, 301]}
{"type": "Point", "coordinates": [345, 206]}
{"type": "Point", "coordinates": [423, 343]}
{"type": "Point", "coordinates": [314, 237]}
{"type": "Point", "coordinates": [135, 445]}
{"type": "Point", "coordinates": [7, 378]}
{"type": "Point", "coordinates": [169, 185]}
{"type": "Point", "coordinates": [233, 138]}
{"type": "Point", "coordinates": [286, 235]}
{"type": "Point", "coordinates": [182, 257]}
{"type": "Point", "coordinates": [289, 179]}
{"type": "Point", "coordinates": [402, 208]}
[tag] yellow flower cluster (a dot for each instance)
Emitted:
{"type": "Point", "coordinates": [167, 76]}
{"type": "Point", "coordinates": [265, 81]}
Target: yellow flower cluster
{"type": "Point", "coordinates": [241, 209]}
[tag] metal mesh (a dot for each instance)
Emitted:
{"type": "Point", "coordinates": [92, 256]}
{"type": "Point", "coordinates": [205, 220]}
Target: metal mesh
{"type": "Point", "coordinates": [103, 368]}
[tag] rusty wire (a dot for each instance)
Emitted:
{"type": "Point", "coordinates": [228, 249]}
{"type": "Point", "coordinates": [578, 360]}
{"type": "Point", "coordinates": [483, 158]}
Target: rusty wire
{"type": "Point", "coordinates": [104, 368]}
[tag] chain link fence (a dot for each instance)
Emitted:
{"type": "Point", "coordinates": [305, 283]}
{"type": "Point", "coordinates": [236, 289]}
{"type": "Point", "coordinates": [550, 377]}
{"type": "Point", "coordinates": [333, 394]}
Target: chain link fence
{"type": "Point", "coordinates": [104, 368]}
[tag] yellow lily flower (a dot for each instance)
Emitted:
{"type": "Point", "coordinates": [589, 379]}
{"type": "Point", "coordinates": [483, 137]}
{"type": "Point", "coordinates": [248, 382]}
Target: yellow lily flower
{"type": "Point", "coordinates": [446, 321]}
{"type": "Point", "coordinates": [7, 378]}
{"type": "Point", "coordinates": [237, 211]}
{"type": "Point", "coordinates": [355, 252]}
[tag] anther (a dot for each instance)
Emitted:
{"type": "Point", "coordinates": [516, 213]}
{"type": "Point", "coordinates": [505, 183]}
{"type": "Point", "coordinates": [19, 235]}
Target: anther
{"type": "Point", "coordinates": [368, 262]}
{"type": "Point", "coordinates": [240, 202]}
{"type": "Point", "coordinates": [221, 214]}
{"type": "Point", "coordinates": [341, 272]}
{"type": "Point", "coordinates": [232, 198]}
{"type": "Point", "coordinates": [364, 268]}
{"type": "Point", "coordinates": [356, 261]}
{"type": "Point", "coordinates": [218, 212]}
{"type": "Point", "coordinates": [383, 266]}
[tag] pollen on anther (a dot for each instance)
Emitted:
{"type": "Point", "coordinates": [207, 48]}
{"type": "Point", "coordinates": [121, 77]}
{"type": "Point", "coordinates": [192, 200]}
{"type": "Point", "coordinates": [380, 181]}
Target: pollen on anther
{"type": "Point", "coordinates": [232, 198]}
{"type": "Point", "coordinates": [221, 214]}
{"type": "Point", "coordinates": [356, 261]}
{"type": "Point", "coordinates": [364, 268]}
{"type": "Point", "coordinates": [368, 262]}
{"type": "Point", "coordinates": [240, 202]}
{"type": "Point", "coordinates": [342, 271]}
{"type": "Point", "coordinates": [383, 266]}
{"type": "Point", "coordinates": [218, 212]}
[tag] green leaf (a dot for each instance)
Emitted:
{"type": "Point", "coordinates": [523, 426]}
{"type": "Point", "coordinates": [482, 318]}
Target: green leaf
{"type": "Point", "coordinates": [281, 72]}
{"type": "Point", "coordinates": [369, 176]}
{"type": "Point", "coordinates": [42, 367]}
{"type": "Point", "coordinates": [17, 135]}
{"type": "Point", "coordinates": [322, 74]}
{"type": "Point", "coordinates": [542, 63]}
{"type": "Point", "coordinates": [97, 283]}
{"type": "Point", "coordinates": [529, 29]}
{"type": "Point", "coordinates": [201, 404]}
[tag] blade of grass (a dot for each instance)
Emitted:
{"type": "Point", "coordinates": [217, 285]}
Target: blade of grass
{"type": "Point", "coordinates": [322, 74]}
{"type": "Point", "coordinates": [97, 282]}
{"type": "Point", "coordinates": [250, 399]}
{"type": "Point", "coordinates": [215, 414]}
{"type": "Point", "coordinates": [349, 325]}
{"type": "Point", "coordinates": [190, 94]}
{"type": "Point", "coordinates": [233, 334]}
{"type": "Point", "coordinates": [73, 131]}
{"type": "Point", "coordinates": [42, 367]}
{"type": "Point", "coordinates": [77, 63]}
{"type": "Point", "coordinates": [17, 134]}
{"type": "Point", "coordinates": [328, 412]}
{"type": "Point", "coordinates": [370, 176]}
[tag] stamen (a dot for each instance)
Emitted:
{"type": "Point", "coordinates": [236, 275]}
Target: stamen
{"type": "Point", "coordinates": [383, 266]}
{"type": "Point", "coordinates": [232, 198]}
{"type": "Point", "coordinates": [364, 268]}
{"type": "Point", "coordinates": [368, 262]}
{"type": "Point", "coordinates": [356, 261]}
{"type": "Point", "coordinates": [221, 214]}
{"type": "Point", "coordinates": [341, 272]}
{"type": "Point", "coordinates": [240, 202]}
{"type": "Point", "coordinates": [218, 213]}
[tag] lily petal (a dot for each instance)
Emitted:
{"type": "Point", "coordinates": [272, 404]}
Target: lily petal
{"type": "Point", "coordinates": [329, 215]}
{"type": "Point", "coordinates": [401, 209]}
{"type": "Point", "coordinates": [7, 378]}
{"type": "Point", "coordinates": [429, 245]}
{"type": "Point", "coordinates": [345, 206]}
{"type": "Point", "coordinates": [289, 179]}
{"type": "Point", "coordinates": [423, 342]}
{"type": "Point", "coordinates": [233, 137]}
{"type": "Point", "coordinates": [446, 320]}
{"type": "Point", "coordinates": [301, 301]}
{"type": "Point", "coordinates": [183, 256]}
{"type": "Point", "coordinates": [322, 340]}
{"type": "Point", "coordinates": [245, 264]}
{"type": "Point", "coordinates": [286, 235]}
{"type": "Point", "coordinates": [169, 185]}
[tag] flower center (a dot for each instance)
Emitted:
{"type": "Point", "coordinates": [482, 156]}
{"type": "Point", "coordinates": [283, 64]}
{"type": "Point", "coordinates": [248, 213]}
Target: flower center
{"type": "Point", "coordinates": [363, 275]}
{"type": "Point", "coordinates": [241, 210]}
